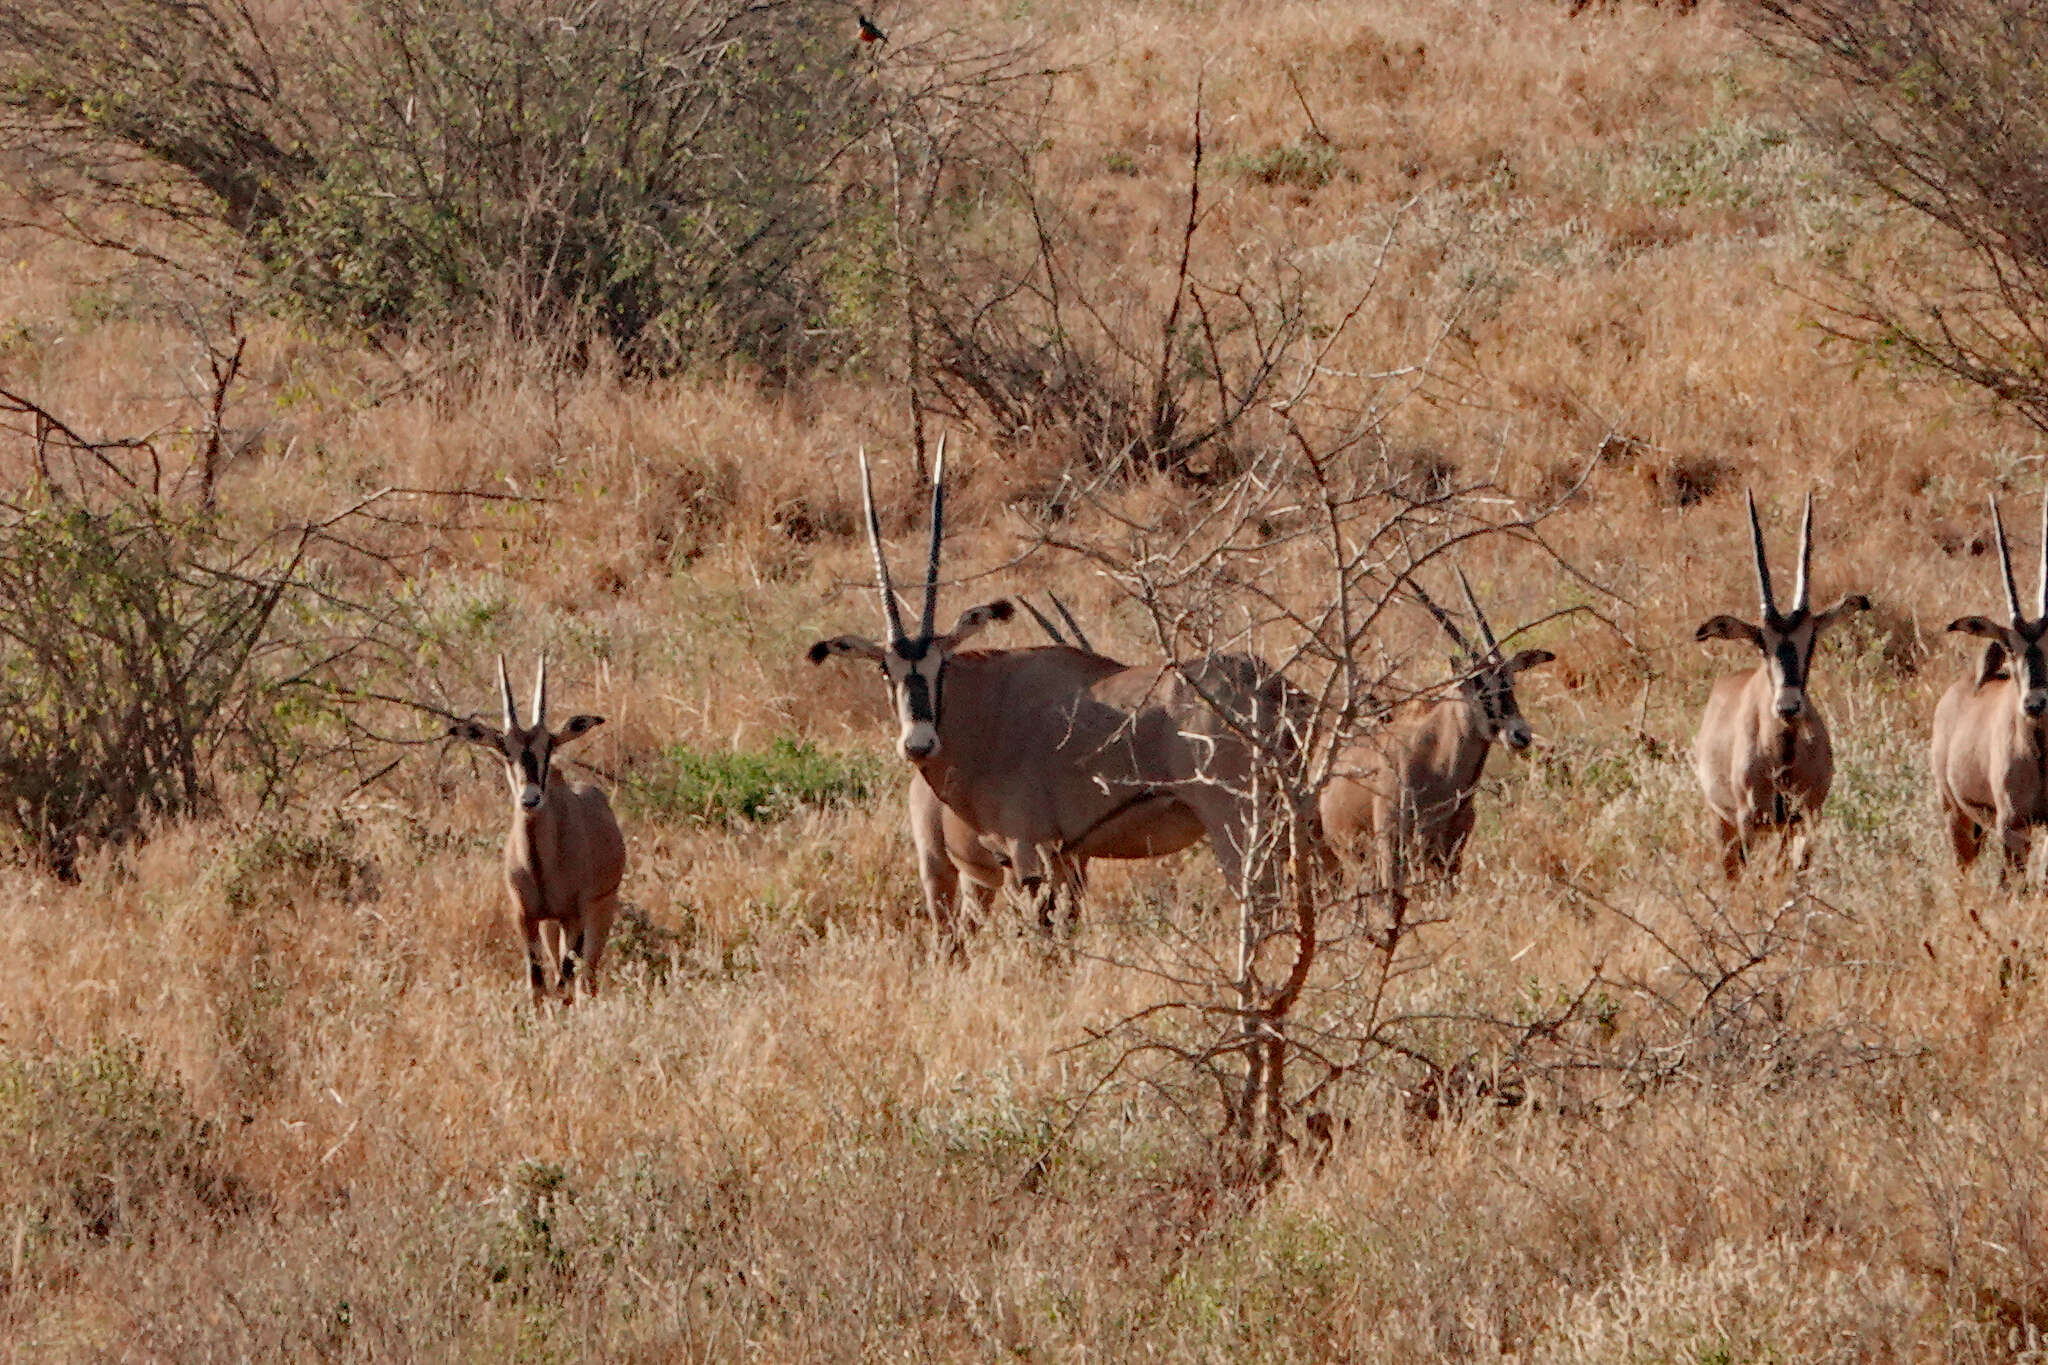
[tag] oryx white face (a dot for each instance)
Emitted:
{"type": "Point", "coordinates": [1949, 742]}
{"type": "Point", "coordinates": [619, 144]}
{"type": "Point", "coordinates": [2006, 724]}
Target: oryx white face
{"type": "Point", "coordinates": [1789, 653]}
{"type": "Point", "coordinates": [1786, 639]}
{"type": "Point", "coordinates": [1787, 644]}
{"type": "Point", "coordinates": [916, 673]}
{"type": "Point", "coordinates": [528, 754]}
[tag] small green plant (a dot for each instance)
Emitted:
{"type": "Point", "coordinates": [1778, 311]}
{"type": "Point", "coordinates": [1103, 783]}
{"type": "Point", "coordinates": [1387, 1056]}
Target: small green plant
{"type": "Point", "coordinates": [1304, 165]}
{"type": "Point", "coordinates": [758, 786]}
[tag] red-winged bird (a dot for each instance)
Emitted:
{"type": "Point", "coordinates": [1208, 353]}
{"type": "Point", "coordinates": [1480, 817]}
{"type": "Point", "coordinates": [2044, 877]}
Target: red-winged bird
{"type": "Point", "coordinates": [871, 32]}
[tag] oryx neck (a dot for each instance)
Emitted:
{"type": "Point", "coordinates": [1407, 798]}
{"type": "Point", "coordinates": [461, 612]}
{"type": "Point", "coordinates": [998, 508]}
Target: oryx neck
{"type": "Point", "coordinates": [1464, 735]}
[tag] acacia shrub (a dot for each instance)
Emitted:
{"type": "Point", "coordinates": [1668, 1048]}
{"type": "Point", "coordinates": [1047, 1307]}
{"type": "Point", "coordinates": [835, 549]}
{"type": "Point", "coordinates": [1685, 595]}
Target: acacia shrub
{"type": "Point", "coordinates": [662, 178]}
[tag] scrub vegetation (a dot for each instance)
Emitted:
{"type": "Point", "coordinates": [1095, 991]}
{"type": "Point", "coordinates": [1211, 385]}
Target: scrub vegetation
{"type": "Point", "coordinates": [271, 1086]}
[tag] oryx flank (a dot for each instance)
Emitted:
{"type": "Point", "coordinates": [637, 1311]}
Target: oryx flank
{"type": "Point", "coordinates": [1405, 791]}
{"type": "Point", "coordinates": [951, 852]}
{"type": "Point", "coordinates": [1059, 751]}
{"type": "Point", "coordinates": [1762, 753]}
{"type": "Point", "coordinates": [1991, 730]}
{"type": "Point", "coordinates": [564, 856]}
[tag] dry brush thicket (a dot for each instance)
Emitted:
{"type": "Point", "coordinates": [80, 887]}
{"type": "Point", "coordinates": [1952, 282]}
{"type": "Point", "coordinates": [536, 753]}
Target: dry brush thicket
{"type": "Point", "coordinates": [269, 1086]}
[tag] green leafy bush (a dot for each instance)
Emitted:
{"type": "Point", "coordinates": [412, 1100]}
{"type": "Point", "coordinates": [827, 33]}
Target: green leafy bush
{"type": "Point", "coordinates": [664, 176]}
{"type": "Point", "coordinates": [153, 661]}
{"type": "Point", "coordinates": [761, 786]}
{"type": "Point", "coordinates": [123, 661]}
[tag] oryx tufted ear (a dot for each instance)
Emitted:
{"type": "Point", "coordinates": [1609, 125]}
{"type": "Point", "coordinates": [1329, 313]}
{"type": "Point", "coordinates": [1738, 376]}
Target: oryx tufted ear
{"type": "Point", "coordinates": [976, 619]}
{"type": "Point", "coordinates": [577, 727]}
{"type": "Point", "coordinates": [1981, 626]}
{"type": "Point", "coordinates": [1729, 628]}
{"type": "Point", "coordinates": [1854, 602]}
{"type": "Point", "coordinates": [474, 731]}
{"type": "Point", "coordinates": [846, 644]}
{"type": "Point", "coordinates": [1528, 658]}
{"type": "Point", "coordinates": [1991, 665]}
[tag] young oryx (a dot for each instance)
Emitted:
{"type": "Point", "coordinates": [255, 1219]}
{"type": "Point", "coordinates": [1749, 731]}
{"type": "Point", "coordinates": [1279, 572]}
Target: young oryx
{"type": "Point", "coordinates": [564, 856]}
{"type": "Point", "coordinates": [1059, 751]}
{"type": "Point", "coordinates": [1991, 731]}
{"type": "Point", "coordinates": [1762, 753]}
{"type": "Point", "coordinates": [950, 851]}
{"type": "Point", "coordinates": [1406, 790]}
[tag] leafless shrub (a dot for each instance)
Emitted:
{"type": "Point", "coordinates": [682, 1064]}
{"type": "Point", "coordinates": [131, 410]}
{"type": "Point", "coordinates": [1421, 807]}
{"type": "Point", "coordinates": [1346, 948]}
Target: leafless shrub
{"type": "Point", "coordinates": [1927, 105]}
{"type": "Point", "coordinates": [147, 654]}
{"type": "Point", "coordinates": [1305, 991]}
{"type": "Point", "coordinates": [1038, 337]}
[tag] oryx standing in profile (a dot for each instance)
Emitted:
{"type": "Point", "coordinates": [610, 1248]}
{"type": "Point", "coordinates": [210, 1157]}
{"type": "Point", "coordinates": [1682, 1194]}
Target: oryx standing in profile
{"type": "Point", "coordinates": [1762, 754]}
{"type": "Point", "coordinates": [1057, 751]}
{"type": "Point", "coordinates": [1405, 790]}
{"type": "Point", "coordinates": [1990, 746]}
{"type": "Point", "coordinates": [564, 856]}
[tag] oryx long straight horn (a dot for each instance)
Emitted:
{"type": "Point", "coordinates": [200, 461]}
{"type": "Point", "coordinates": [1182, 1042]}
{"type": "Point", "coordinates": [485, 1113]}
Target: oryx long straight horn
{"type": "Point", "coordinates": [892, 615]}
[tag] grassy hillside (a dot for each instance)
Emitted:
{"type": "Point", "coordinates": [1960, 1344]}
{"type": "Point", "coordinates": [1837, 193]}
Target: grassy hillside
{"type": "Point", "coordinates": [270, 1085]}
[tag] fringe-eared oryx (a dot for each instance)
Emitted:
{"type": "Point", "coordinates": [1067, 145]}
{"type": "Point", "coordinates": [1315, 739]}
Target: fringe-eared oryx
{"type": "Point", "coordinates": [1405, 791]}
{"type": "Point", "coordinates": [951, 852]}
{"type": "Point", "coordinates": [1762, 753]}
{"type": "Point", "coordinates": [1991, 730]}
{"type": "Point", "coordinates": [1057, 751]}
{"type": "Point", "coordinates": [564, 856]}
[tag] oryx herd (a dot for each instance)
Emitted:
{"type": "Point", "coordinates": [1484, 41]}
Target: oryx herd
{"type": "Point", "coordinates": [1027, 763]}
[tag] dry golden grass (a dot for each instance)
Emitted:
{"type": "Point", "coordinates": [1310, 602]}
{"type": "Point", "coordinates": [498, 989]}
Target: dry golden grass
{"type": "Point", "coordinates": [269, 1087]}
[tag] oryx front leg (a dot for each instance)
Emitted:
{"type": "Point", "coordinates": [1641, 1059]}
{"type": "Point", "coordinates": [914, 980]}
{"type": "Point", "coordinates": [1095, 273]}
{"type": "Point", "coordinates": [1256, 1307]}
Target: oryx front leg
{"type": "Point", "coordinates": [537, 953]}
{"type": "Point", "coordinates": [2016, 840]}
{"type": "Point", "coordinates": [1965, 837]}
{"type": "Point", "coordinates": [586, 948]}
{"type": "Point", "coordinates": [554, 953]}
{"type": "Point", "coordinates": [1732, 846]}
